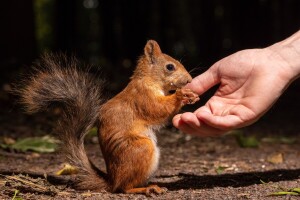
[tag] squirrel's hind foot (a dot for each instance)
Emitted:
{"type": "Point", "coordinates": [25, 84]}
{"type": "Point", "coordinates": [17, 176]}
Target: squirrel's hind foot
{"type": "Point", "coordinates": [148, 191]}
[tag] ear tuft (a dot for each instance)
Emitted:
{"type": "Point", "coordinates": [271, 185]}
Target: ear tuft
{"type": "Point", "coordinates": [152, 50]}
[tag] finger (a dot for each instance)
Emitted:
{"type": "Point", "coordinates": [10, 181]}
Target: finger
{"type": "Point", "coordinates": [187, 129]}
{"type": "Point", "coordinates": [204, 81]}
{"type": "Point", "coordinates": [202, 131]}
{"type": "Point", "coordinates": [191, 119]}
{"type": "Point", "coordinates": [187, 118]}
{"type": "Point", "coordinates": [180, 124]}
{"type": "Point", "coordinates": [189, 123]}
{"type": "Point", "coordinates": [176, 120]}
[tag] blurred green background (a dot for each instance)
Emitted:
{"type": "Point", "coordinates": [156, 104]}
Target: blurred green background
{"type": "Point", "coordinates": [111, 34]}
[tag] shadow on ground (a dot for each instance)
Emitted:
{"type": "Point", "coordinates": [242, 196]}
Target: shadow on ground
{"type": "Point", "coordinates": [188, 181]}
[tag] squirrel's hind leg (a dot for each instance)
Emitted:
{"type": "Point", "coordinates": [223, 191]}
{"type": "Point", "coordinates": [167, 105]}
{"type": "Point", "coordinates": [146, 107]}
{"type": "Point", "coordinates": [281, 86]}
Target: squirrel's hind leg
{"type": "Point", "coordinates": [139, 160]}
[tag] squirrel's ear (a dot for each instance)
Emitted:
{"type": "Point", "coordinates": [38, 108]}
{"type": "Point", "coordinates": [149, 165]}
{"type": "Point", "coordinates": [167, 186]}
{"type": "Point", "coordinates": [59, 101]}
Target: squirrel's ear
{"type": "Point", "coordinates": [152, 50]}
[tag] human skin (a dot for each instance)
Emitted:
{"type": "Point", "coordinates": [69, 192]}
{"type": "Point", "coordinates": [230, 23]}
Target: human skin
{"type": "Point", "coordinates": [250, 83]}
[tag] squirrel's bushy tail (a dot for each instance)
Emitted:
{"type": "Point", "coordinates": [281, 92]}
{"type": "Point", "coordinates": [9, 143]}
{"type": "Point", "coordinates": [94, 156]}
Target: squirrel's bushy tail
{"type": "Point", "coordinates": [58, 82]}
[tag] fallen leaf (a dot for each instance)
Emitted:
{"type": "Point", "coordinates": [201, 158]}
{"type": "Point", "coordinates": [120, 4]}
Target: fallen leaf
{"type": "Point", "coordinates": [8, 141]}
{"type": "Point", "coordinates": [296, 190]}
{"type": "Point", "coordinates": [281, 193]}
{"type": "Point", "coordinates": [283, 140]}
{"type": "Point", "coordinates": [220, 169]}
{"type": "Point", "coordinates": [45, 144]}
{"type": "Point", "coordinates": [293, 191]}
{"type": "Point", "coordinates": [245, 141]}
{"type": "Point", "coordinates": [262, 182]}
{"type": "Point", "coordinates": [67, 170]}
{"type": "Point", "coordinates": [15, 197]}
{"type": "Point", "coordinates": [86, 194]}
{"type": "Point", "coordinates": [275, 158]}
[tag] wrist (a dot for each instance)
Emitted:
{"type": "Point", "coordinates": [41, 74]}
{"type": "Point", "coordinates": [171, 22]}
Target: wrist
{"type": "Point", "coordinates": [288, 54]}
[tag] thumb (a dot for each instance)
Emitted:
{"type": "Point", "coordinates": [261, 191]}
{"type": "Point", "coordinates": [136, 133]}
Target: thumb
{"type": "Point", "coordinates": [204, 81]}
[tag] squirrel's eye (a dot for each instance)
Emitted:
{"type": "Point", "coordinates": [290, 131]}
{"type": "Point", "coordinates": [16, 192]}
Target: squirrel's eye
{"type": "Point", "coordinates": [170, 67]}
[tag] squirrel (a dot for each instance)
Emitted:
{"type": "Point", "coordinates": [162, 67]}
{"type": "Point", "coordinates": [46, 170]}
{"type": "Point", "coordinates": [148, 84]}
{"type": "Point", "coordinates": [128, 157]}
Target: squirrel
{"type": "Point", "coordinates": [126, 123]}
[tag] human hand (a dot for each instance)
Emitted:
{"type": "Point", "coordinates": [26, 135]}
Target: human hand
{"type": "Point", "coordinates": [250, 83]}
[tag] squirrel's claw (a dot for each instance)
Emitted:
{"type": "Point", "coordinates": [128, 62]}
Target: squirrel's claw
{"type": "Point", "coordinates": [154, 189]}
{"type": "Point", "coordinates": [187, 96]}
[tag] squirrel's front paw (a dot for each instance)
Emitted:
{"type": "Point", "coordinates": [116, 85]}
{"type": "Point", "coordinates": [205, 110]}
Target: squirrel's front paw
{"type": "Point", "coordinates": [187, 96]}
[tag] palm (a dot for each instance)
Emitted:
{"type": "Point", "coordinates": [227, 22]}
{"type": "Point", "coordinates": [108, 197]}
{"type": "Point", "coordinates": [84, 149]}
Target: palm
{"type": "Point", "coordinates": [228, 112]}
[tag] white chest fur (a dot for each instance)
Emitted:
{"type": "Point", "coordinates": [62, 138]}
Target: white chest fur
{"type": "Point", "coordinates": [155, 158]}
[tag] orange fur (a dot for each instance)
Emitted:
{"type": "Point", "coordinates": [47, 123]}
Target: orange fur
{"type": "Point", "coordinates": [127, 122]}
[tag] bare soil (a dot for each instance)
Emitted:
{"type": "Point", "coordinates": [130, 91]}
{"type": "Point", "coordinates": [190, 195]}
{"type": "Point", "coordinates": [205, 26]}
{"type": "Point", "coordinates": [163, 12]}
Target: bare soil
{"type": "Point", "coordinates": [190, 167]}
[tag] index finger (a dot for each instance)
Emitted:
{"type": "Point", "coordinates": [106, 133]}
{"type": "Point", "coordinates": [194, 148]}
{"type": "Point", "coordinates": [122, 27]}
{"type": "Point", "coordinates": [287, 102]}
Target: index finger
{"type": "Point", "coordinates": [204, 81]}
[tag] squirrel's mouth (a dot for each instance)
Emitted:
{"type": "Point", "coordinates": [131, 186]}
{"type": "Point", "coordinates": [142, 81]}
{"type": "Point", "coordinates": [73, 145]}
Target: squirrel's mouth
{"type": "Point", "coordinates": [177, 86]}
{"type": "Point", "coordinates": [174, 87]}
{"type": "Point", "coordinates": [172, 91]}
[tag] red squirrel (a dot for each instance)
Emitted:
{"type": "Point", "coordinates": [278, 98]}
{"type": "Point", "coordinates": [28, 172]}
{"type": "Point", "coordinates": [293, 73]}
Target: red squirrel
{"type": "Point", "coordinates": [126, 123]}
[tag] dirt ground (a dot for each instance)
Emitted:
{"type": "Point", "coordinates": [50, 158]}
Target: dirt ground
{"type": "Point", "coordinates": [190, 167]}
